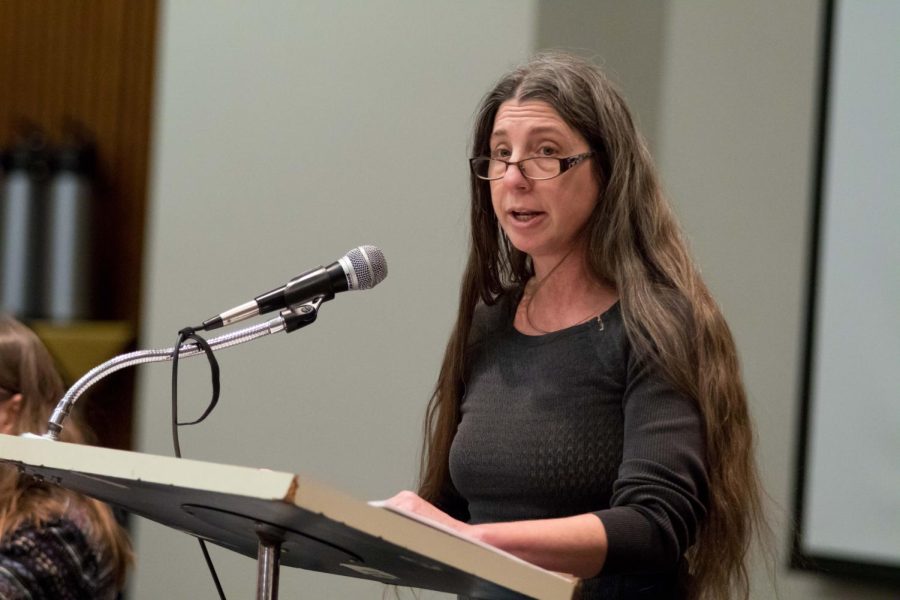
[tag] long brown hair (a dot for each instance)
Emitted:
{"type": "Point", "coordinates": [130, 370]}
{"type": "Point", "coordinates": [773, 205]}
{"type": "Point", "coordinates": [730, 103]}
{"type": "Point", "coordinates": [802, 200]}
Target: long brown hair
{"type": "Point", "coordinates": [635, 245]}
{"type": "Point", "coordinates": [26, 368]}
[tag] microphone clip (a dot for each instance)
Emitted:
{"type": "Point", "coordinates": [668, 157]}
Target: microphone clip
{"type": "Point", "coordinates": [301, 315]}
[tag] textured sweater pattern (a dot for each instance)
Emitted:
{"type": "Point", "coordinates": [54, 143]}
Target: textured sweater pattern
{"type": "Point", "coordinates": [575, 422]}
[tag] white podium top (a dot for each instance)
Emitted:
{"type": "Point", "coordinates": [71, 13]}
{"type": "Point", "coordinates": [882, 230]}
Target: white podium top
{"type": "Point", "coordinates": [323, 529]}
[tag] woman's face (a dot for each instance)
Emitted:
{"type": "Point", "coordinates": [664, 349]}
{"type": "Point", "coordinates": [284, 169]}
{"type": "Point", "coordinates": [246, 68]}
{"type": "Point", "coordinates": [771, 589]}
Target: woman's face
{"type": "Point", "coordinates": [543, 218]}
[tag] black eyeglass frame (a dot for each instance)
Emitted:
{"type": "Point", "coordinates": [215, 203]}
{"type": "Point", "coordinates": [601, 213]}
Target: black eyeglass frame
{"type": "Point", "coordinates": [565, 164]}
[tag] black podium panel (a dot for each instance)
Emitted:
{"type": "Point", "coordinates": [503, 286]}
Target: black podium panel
{"type": "Point", "coordinates": [319, 528]}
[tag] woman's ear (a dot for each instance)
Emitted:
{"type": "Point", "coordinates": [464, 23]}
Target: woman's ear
{"type": "Point", "coordinates": [9, 413]}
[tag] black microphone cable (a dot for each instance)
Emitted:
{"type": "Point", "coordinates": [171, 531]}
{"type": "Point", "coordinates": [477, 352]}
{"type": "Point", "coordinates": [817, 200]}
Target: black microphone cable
{"type": "Point", "coordinates": [184, 335]}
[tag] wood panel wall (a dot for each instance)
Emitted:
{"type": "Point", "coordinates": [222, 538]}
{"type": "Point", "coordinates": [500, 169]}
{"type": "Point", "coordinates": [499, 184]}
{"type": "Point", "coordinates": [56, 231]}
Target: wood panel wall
{"type": "Point", "coordinates": [92, 62]}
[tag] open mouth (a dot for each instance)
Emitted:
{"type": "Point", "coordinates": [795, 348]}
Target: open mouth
{"type": "Point", "coordinates": [523, 216]}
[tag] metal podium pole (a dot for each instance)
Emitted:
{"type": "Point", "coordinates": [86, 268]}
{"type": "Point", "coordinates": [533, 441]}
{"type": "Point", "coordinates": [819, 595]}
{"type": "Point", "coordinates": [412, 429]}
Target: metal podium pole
{"type": "Point", "coordinates": [268, 561]}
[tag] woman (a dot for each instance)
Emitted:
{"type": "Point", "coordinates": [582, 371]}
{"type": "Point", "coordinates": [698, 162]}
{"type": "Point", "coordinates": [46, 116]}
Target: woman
{"type": "Point", "coordinates": [589, 415]}
{"type": "Point", "coordinates": [54, 544]}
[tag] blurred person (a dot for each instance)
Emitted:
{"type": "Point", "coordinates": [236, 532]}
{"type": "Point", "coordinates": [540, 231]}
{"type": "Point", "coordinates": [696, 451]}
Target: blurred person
{"type": "Point", "coordinates": [54, 544]}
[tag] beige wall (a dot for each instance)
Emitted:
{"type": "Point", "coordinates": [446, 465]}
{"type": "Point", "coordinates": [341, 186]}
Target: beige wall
{"type": "Point", "coordinates": [729, 109]}
{"type": "Point", "coordinates": [626, 38]}
{"type": "Point", "coordinates": [736, 150]}
{"type": "Point", "coordinates": [288, 135]}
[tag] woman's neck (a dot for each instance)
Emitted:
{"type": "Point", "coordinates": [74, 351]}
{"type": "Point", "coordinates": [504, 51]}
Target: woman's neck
{"type": "Point", "coordinates": [562, 294]}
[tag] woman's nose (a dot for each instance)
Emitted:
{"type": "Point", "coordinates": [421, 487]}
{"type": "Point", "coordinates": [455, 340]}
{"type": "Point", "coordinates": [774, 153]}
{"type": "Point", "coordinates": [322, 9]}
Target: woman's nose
{"type": "Point", "coordinates": [514, 177]}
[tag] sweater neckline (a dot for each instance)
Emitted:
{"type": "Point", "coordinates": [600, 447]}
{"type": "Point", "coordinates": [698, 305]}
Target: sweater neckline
{"type": "Point", "coordinates": [595, 322]}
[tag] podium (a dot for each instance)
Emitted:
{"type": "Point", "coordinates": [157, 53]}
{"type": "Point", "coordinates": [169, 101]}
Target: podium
{"type": "Point", "coordinates": [286, 519]}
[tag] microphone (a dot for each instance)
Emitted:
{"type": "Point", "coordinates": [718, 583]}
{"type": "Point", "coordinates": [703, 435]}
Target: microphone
{"type": "Point", "coordinates": [362, 268]}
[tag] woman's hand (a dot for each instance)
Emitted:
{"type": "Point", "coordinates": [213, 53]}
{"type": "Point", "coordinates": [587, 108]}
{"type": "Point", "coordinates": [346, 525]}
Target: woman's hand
{"type": "Point", "coordinates": [413, 503]}
{"type": "Point", "coordinates": [574, 545]}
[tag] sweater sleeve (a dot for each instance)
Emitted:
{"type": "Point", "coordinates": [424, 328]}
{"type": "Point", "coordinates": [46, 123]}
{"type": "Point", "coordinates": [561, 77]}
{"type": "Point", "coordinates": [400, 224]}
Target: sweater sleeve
{"type": "Point", "coordinates": [659, 496]}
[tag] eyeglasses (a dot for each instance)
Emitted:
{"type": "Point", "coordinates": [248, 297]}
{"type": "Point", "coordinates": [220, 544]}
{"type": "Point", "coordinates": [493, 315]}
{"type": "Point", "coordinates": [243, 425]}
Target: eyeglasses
{"type": "Point", "coordinates": [537, 167]}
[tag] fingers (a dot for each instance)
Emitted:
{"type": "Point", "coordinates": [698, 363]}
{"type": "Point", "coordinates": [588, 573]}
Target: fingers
{"type": "Point", "coordinates": [407, 500]}
{"type": "Point", "coordinates": [411, 502]}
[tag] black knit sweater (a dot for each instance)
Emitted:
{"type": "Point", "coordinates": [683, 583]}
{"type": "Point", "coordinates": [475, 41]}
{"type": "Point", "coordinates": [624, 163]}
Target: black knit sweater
{"type": "Point", "coordinates": [575, 422]}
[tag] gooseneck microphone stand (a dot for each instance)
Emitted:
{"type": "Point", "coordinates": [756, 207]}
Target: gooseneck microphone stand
{"type": "Point", "coordinates": [288, 320]}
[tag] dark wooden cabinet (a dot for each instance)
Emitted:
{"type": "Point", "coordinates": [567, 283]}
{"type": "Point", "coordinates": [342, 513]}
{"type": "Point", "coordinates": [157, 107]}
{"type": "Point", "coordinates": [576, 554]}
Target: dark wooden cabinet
{"type": "Point", "coordinates": [91, 62]}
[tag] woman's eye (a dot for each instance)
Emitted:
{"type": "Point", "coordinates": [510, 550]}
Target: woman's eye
{"type": "Point", "coordinates": [500, 153]}
{"type": "Point", "coordinates": [547, 151]}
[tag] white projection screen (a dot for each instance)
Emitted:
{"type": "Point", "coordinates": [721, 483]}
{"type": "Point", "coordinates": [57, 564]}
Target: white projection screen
{"type": "Point", "coordinates": [848, 486]}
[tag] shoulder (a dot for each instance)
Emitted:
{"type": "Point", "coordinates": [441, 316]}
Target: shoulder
{"type": "Point", "coordinates": [609, 337]}
{"type": "Point", "coordinates": [491, 318]}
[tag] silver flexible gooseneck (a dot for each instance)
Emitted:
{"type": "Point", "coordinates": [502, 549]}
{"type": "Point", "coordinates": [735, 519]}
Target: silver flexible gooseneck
{"type": "Point", "coordinates": [188, 349]}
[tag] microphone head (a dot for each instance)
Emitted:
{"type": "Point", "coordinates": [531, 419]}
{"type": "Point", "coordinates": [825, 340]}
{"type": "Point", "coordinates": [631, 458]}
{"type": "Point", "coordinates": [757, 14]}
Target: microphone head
{"type": "Point", "coordinates": [365, 267]}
